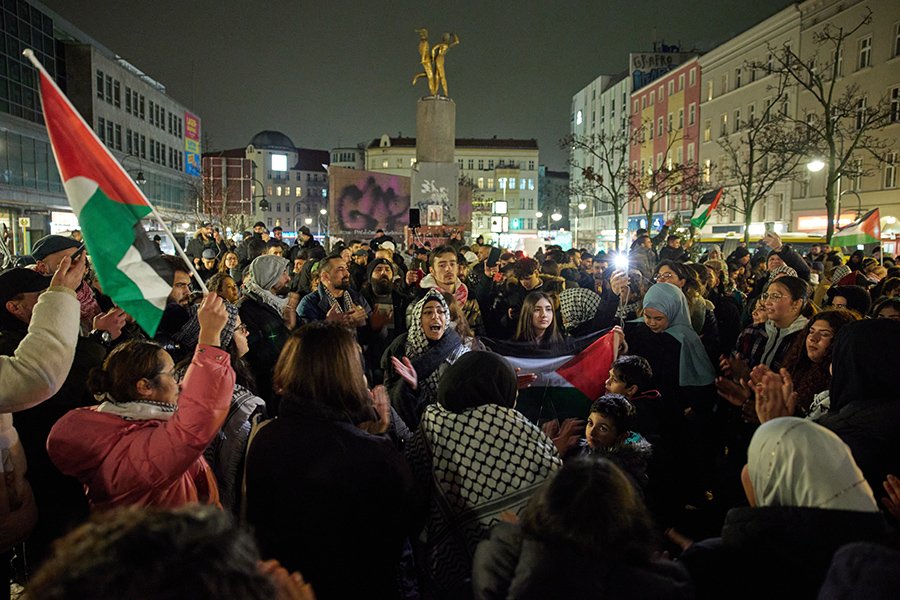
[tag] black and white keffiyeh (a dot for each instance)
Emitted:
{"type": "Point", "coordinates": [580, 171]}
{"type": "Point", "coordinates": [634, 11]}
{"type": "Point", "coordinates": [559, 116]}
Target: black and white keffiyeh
{"type": "Point", "coordinates": [477, 464]}
{"type": "Point", "coordinates": [427, 357]}
{"type": "Point", "coordinates": [577, 306]}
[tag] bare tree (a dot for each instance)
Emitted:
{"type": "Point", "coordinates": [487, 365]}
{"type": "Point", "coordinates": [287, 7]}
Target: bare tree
{"type": "Point", "coordinates": [842, 123]}
{"type": "Point", "coordinates": [607, 184]}
{"type": "Point", "coordinates": [664, 178]}
{"type": "Point", "coordinates": [766, 150]}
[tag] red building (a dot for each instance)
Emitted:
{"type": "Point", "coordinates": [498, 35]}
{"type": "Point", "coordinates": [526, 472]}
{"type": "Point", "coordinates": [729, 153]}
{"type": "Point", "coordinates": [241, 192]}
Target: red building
{"type": "Point", "coordinates": [665, 121]}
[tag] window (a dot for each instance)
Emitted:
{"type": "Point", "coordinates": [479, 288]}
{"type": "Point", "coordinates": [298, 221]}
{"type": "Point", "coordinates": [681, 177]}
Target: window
{"type": "Point", "coordinates": [659, 94]}
{"type": "Point", "coordinates": [693, 113]}
{"type": "Point", "coordinates": [737, 120]}
{"type": "Point", "coordinates": [681, 82]}
{"type": "Point", "coordinates": [651, 96]}
{"type": "Point", "coordinates": [490, 165]}
{"type": "Point", "coordinates": [738, 77]}
{"type": "Point", "coordinates": [531, 165]}
{"type": "Point", "coordinates": [521, 203]}
{"type": "Point", "coordinates": [770, 63]}
{"type": "Point", "coordinates": [399, 163]}
{"type": "Point", "coordinates": [512, 183]}
{"type": "Point", "coordinates": [109, 88]}
{"type": "Point", "coordinates": [865, 52]}
{"type": "Point", "coordinates": [128, 142]}
{"type": "Point", "coordinates": [895, 105]}
{"type": "Point", "coordinates": [143, 146]}
{"type": "Point", "coordinates": [723, 130]}
{"type": "Point", "coordinates": [860, 112]}
{"type": "Point", "coordinates": [100, 84]}
{"type": "Point", "coordinates": [693, 78]}
{"type": "Point", "coordinates": [659, 127]}
{"type": "Point", "coordinates": [128, 100]}
{"type": "Point", "coordinates": [707, 168]}
{"type": "Point", "coordinates": [659, 161]}
{"type": "Point", "coordinates": [679, 155]}
{"type": "Point", "coordinates": [480, 164]}
{"type": "Point", "coordinates": [109, 133]}
{"type": "Point", "coordinates": [724, 86]}
{"type": "Point", "coordinates": [481, 183]}
{"type": "Point", "coordinates": [531, 184]}
{"type": "Point", "coordinates": [671, 87]}
{"type": "Point", "coordinates": [709, 90]}
{"type": "Point", "coordinates": [680, 118]}
{"type": "Point", "coordinates": [118, 137]}
{"type": "Point", "coordinates": [890, 171]}
{"type": "Point", "coordinates": [691, 153]}
{"type": "Point", "coordinates": [896, 48]}
{"type": "Point", "coordinates": [412, 161]}
{"type": "Point", "coordinates": [751, 114]}
{"type": "Point", "coordinates": [650, 126]}
{"type": "Point", "coordinates": [298, 191]}
{"type": "Point", "coordinates": [707, 130]}
{"type": "Point", "coordinates": [471, 164]}
{"type": "Point", "coordinates": [636, 107]}
{"type": "Point", "coordinates": [838, 61]}
{"type": "Point", "coordinates": [490, 183]}
{"type": "Point", "coordinates": [117, 94]}
{"type": "Point", "coordinates": [101, 129]}
{"type": "Point", "coordinates": [384, 163]}
{"type": "Point", "coordinates": [522, 183]}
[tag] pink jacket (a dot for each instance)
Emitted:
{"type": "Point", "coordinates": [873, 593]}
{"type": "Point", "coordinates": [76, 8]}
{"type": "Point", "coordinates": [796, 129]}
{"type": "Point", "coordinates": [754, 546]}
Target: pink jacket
{"type": "Point", "coordinates": [149, 463]}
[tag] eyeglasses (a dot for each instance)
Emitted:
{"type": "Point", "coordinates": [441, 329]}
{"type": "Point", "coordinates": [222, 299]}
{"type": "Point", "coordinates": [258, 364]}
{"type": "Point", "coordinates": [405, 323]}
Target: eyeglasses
{"type": "Point", "coordinates": [775, 297]}
{"type": "Point", "coordinates": [242, 328]}
{"type": "Point", "coordinates": [170, 373]}
{"type": "Point", "coordinates": [663, 276]}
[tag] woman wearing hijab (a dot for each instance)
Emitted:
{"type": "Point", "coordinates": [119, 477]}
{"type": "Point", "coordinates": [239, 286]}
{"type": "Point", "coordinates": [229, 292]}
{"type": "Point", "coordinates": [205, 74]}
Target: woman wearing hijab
{"type": "Point", "coordinates": [494, 457]}
{"type": "Point", "coordinates": [667, 340]}
{"type": "Point", "coordinates": [414, 361]}
{"type": "Point", "coordinates": [807, 498]}
{"type": "Point", "coordinates": [864, 406]}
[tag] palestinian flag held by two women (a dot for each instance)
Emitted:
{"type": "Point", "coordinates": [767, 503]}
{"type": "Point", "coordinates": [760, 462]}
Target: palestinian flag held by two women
{"type": "Point", "coordinates": [109, 207]}
{"type": "Point", "coordinates": [712, 198]}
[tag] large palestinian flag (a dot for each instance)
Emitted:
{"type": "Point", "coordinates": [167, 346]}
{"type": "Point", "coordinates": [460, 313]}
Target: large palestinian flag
{"type": "Point", "coordinates": [711, 200]}
{"type": "Point", "coordinates": [109, 207]}
{"type": "Point", "coordinates": [568, 381]}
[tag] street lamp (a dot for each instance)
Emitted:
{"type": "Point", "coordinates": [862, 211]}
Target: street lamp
{"type": "Point", "coordinates": [815, 165]}
{"type": "Point", "coordinates": [858, 205]}
{"type": "Point", "coordinates": [538, 215]}
{"type": "Point", "coordinates": [263, 204]}
{"type": "Point", "coordinates": [139, 178]}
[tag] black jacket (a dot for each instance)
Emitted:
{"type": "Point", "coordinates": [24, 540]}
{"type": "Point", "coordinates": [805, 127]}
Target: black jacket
{"type": "Point", "coordinates": [266, 336]}
{"type": "Point", "coordinates": [347, 494]}
{"type": "Point", "coordinates": [511, 566]}
{"type": "Point", "coordinates": [776, 552]}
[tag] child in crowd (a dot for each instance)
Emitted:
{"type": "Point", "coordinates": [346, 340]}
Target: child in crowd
{"type": "Point", "coordinates": [631, 376]}
{"type": "Point", "coordinates": [608, 434]}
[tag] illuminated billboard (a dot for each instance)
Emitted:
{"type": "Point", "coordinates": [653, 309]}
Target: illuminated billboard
{"type": "Point", "coordinates": [191, 145]}
{"type": "Point", "coordinates": [361, 202]}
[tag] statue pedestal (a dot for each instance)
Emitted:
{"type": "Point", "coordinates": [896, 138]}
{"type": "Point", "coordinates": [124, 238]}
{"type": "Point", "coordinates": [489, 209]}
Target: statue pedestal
{"type": "Point", "coordinates": [435, 130]}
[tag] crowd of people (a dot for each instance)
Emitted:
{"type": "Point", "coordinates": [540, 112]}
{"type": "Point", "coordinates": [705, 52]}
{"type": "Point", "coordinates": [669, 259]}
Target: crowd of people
{"type": "Point", "coordinates": [339, 423]}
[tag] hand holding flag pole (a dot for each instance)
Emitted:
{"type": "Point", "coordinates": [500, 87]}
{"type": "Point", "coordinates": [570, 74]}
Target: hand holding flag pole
{"type": "Point", "coordinates": [109, 206]}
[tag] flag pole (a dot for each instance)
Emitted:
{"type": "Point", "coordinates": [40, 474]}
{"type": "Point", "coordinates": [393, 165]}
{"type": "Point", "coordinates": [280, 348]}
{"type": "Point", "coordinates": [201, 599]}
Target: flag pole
{"type": "Point", "coordinates": [37, 64]}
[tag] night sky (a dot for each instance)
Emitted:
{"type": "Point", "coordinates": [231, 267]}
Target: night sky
{"type": "Point", "coordinates": [339, 73]}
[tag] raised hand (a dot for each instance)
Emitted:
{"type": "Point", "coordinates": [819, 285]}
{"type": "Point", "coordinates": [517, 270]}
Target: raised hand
{"type": "Point", "coordinates": [775, 395]}
{"type": "Point", "coordinates": [212, 317]}
{"type": "Point", "coordinates": [70, 273]}
{"type": "Point", "coordinates": [892, 502]}
{"type": "Point", "coordinates": [382, 404]}
{"type": "Point", "coordinates": [406, 371]}
{"type": "Point", "coordinates": [112, 321]}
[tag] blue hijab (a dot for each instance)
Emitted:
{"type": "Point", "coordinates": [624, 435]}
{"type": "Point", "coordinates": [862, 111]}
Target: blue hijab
{"type": "Point", "coordinates": [694, 365]}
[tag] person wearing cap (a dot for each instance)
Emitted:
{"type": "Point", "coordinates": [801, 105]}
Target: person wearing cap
{"type": "Point", "coordinates": [35, 372]}
{"type": "Point", "coordinates": [379, 239]}
{"type": "Point", "coordinates": [158, 241]}
{"type": "Point", "coordinates": [385, 297]}
{"type": "Point", "coordinates": [48, 253]}
{"type": "Point", "coordinates": [269, 317]}
{"type": "Point", "coordinates": [59, 499]}
{"type": "Point", "coordinates": [305, 239]}
{"type": "Point", "coordinates": [205, 239]}
{"type": "Point", "coordinates": [389, 250]}
{"type": "Point", "coordinates": [358, 263]}
{"type": "Point", "coordinates": [209, 264]}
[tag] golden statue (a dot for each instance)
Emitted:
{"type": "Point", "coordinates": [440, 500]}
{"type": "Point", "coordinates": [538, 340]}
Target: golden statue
{"type": "Point", "coordinates": [426, 62]}
{"type": "Point", "coordinates": [434, 60]}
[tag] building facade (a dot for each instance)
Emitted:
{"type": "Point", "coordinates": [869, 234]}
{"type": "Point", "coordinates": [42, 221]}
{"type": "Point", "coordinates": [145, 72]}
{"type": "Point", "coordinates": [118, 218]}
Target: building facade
{"type": "Point", "coordinates": [130, 112]}
{"type": "Point", "coordinates": [502, 172]}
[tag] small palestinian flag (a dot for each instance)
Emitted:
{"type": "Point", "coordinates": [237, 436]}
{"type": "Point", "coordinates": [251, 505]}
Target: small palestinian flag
{"type": "Point", "coordinates": [567, 382]}
{"type": "Point", "coordinates": [109, 207]}
{"type": "Point", "coordinates": [712, 198]}
{"type": "Point", "coordinates": [866, 230]}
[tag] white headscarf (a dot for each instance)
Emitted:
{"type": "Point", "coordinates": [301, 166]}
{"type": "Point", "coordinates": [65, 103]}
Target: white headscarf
{"type": "Point", "coordinates": [794, 462]}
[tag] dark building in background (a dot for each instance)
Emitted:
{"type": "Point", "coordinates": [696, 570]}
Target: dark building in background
{"type": "Point", "coordinates": [155, 137]}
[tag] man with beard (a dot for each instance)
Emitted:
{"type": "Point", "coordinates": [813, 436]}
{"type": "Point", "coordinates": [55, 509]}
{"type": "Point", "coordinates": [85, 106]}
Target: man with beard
{"type": "Point", "coordinates": [358, 269]}
{"type": "Point", "coordinates": [176, 314]}
{"type": "Point", "coordinates": [269, 314]}
{"type": "Point", "coordinates": [333, 300]}
{"type": "Point", "coordinates": [205, 239]}
{"type": "Point", "coordinates": [385, 299]}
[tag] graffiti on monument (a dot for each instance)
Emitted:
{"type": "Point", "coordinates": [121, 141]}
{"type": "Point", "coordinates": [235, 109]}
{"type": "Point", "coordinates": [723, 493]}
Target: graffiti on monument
{"type": "Point", "coordinates": [363, 201]}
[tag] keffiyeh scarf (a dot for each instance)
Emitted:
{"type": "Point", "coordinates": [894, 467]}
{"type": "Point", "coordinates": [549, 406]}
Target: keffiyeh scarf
{"type": "Point", "coordinates": [426, 356]}
{"type": "Point", "coordinates": [577, 306]}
